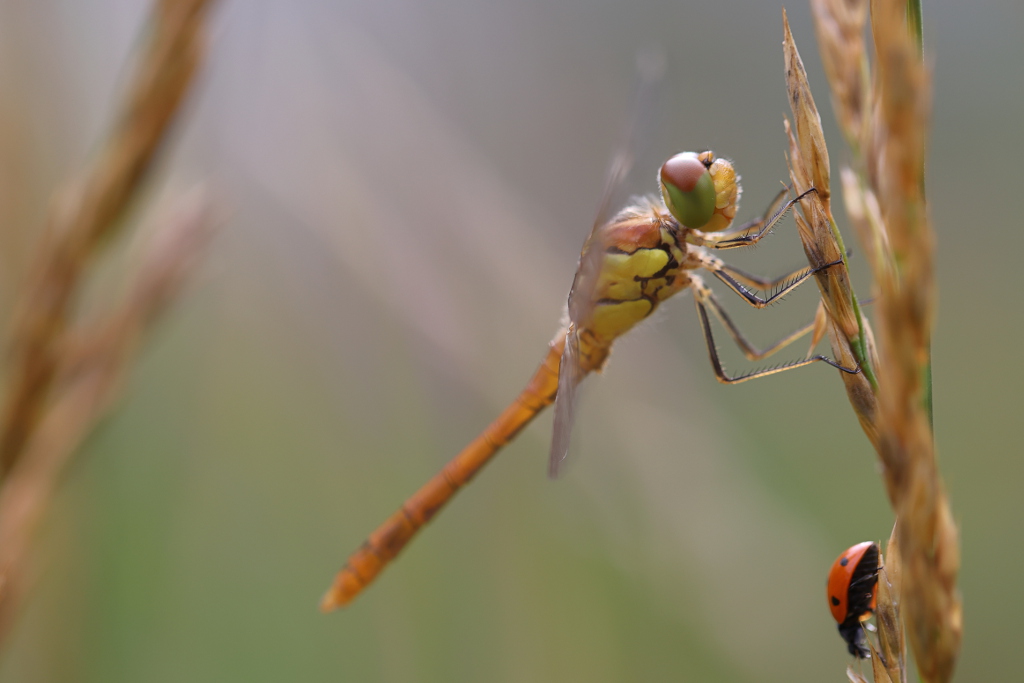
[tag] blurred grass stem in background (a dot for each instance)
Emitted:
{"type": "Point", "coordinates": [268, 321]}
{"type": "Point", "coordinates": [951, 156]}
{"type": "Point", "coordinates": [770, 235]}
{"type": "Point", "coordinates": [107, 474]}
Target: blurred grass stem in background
{"type": "Point", "coordinates": [64, 377]}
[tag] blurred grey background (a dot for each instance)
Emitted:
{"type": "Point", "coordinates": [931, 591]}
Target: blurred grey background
{"type": "Point", "coordinates": [405, 189]}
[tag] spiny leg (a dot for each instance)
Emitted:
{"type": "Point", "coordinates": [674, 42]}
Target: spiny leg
{"type": "Point", "coordinates": [749, 350]}
{"type": "Point", "coordinates": [745, 240]}
{"type": "Point", "coordinates": [727, 239]}
{"type": "Point", "coordinates": [735, 279]}
{"type": "Point", "coordinates": [762, 282]}
{"type": "Point", "coordinates": [703, 298]}
{"type": "Point", "coordinates": [756, 223]}
{"type": "Point", "coordinates": [752, 279]}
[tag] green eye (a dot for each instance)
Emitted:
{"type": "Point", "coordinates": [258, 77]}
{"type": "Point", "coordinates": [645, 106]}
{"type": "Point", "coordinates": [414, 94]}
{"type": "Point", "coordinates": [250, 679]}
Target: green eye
{"type": "Point", "coordinates": [688, 190]}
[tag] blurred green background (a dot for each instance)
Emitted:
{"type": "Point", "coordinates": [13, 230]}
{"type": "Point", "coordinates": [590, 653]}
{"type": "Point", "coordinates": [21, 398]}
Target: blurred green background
{"type": "Point", "coordinates": [405, 189]}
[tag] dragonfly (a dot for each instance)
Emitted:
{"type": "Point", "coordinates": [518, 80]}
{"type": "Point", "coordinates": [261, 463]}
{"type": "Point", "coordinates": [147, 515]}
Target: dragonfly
{"type": "Point", "coordinates": [655, 247]}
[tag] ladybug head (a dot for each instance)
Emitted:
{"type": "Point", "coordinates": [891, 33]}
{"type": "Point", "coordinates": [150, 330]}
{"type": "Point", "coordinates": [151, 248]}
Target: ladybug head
{"type": "Point", "coordinates": [856, 642]}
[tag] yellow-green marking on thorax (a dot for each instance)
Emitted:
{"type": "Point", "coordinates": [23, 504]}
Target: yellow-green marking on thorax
{"type": "Point", "coordinates": [644, 246]}
{"type": "Point", "coordinates": [632, 283]}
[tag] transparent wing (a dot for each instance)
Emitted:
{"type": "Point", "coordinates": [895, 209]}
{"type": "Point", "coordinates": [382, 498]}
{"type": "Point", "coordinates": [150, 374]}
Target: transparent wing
{"type": "Point", "coordinates": [651, 67]}
{"type": "Point", "coordinates": [569, 376]}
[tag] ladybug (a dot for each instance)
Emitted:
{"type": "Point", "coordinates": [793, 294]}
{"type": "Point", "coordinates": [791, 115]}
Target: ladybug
{"type": "Point", "coordinates": [851, 594]}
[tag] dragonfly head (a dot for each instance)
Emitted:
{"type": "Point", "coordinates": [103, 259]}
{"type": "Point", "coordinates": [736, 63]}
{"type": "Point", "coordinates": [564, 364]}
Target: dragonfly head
{"type": "Point", "coordinates": [699, 190]}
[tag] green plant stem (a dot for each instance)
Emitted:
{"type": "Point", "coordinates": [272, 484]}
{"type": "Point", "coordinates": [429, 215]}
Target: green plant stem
{"type": "Point", "coordinates": [914, 22]}
{"type": "Point", "coordinates": [859, 345]}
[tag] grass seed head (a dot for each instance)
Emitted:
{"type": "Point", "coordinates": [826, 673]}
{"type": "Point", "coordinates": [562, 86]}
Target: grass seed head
{"type": "Point", "coordinates": [839, 25]}
{"type": "Point", "coordinates": [885, 194]}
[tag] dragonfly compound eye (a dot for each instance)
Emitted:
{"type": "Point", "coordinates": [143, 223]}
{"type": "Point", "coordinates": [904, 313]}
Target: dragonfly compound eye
{"type": "Point", "coordinates": [688, 190]}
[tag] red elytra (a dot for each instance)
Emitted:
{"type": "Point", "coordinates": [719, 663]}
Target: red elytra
{"type": "Point", "coordinates": [851, 593]}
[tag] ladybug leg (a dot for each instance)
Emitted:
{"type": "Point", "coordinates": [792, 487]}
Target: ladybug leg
{"type": "Point", "coordinates": [867, 578]}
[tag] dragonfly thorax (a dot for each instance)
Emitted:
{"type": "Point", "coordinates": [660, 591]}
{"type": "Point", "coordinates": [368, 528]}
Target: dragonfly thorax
{"type": "Point", "coordinates": [643, 262]}
{"type": "Point", "coordinates": [644, 253]}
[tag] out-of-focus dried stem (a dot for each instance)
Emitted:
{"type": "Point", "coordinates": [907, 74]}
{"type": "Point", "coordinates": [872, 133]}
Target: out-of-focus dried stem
{"type": "Point", "coordinates": [887, 204]}
{"type": "Point", "coordinates": [90, 210]}
{"type": "Point", "coordinates": [170, 256]}
{"type": "Point", "coordinates": [62, 381]}
{"type": "Point", "coordinates": [88, 378]}
{"type": "Point", "coordinates": [839, 25]}
{"type": "Point", "coordinates": [929, 539]}
{"type": "Point", "coordinates": [866, 217]}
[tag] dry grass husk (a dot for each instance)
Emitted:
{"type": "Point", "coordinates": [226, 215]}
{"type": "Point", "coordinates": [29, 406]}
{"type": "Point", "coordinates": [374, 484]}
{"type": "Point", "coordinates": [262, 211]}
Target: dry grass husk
{"type": "Point", "coordinates": [884, 191]}
{"type": "Point", "coordinates": [63, 377]}
{"type": "Point", "coordinates": [89, 210]}
{"type": "Point", "coordinates": [888, 595]}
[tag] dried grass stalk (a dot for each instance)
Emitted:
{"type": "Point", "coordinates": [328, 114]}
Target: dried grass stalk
{"type": "Point", "coordinates": [854, 676]}
{"type": "Point", "coordinates": [840, 28]}
{"type": "Point", "coordinates": [885, 193]}
{"type": "Point", "coordinates": [878, 670]}
{"type": "Point", "coordinates": [850, 335]}
{"type": "Point", "coordinates": [63, 380]}
{"type": "Point", "coordinates": [889, 598]}
{"type": "Point", "coordinates": [928, 537]}
{"type": "Point", "coordinates": [866, 217]}
{"type": "Point", "coordinates": [90, 210]}
{"type": "Point", "coordinates": [87, 382]}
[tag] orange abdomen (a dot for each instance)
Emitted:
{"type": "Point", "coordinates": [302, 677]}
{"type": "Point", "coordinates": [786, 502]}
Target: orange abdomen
{"type": "Point", "coordinates": [389, 538]}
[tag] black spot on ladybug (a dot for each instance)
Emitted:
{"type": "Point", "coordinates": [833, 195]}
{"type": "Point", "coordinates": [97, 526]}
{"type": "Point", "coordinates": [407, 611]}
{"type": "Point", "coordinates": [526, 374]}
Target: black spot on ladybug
{"type": "Point", "coordinates": [845, 561]}
{"type": "Point", "coordinates": [835, 601]}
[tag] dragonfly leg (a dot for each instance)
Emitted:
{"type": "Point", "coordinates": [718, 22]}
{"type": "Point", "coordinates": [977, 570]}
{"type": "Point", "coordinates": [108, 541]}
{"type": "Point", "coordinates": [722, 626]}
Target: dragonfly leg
{"type": "Point", "coordinates": [704, 299]}
{"type": "Point", "coordinates": [759, 281]}
{"type": "Point", "coordinates": [749, 233]}
{"type": "Point", "coordinates": [740, 281]}
{"type": "Point", "coordinates": [757, 223]}
{"type": "Point", "coordinates": [749, 350]}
